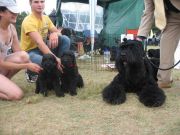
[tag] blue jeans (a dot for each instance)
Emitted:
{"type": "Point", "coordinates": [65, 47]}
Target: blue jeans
{"type": "Point", "coordinates": [63, 45]}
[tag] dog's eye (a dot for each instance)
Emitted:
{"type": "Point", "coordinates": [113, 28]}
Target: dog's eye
{"type": "Point", "coordinates": [124, 46]}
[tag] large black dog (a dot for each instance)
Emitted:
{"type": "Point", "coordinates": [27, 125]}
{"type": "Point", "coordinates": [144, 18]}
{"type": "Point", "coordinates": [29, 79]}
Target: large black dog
{"type": "Point", "coordinates": [49, 77]}
{"type": "Point", "coordinates": [71, 79]}
{"type": "Point", "coordinates": [135, 75]}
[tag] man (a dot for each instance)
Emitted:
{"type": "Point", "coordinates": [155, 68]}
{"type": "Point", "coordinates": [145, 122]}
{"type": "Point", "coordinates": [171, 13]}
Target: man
{"type": "Point", "coordinates": [34, 35]}
{"type": "Point", "coordinates": [167, 18]}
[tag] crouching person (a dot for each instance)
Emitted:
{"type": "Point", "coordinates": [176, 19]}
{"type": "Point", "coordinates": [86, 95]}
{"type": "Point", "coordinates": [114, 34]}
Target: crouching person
{"type": "Point", "coordinates": [11, 62]}
{"type": "Point", "coordinates": [34, 34]}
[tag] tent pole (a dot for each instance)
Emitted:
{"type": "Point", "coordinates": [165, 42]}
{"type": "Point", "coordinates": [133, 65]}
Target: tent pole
{"type": "Point", "coordinates": [92, 9]}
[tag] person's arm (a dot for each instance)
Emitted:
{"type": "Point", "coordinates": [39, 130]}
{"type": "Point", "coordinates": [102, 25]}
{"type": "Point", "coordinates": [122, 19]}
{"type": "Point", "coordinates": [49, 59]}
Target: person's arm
{"type": "Point", "coordinates": [147, 19]}
{"type": "Point", "coordinates": [54, 34]}
{"type": "Point", "coordinates": [10, 65]}
{"type": "Point", "coordinates": [15, 44]}
{"type": "Point", "coordinates": [36, 37]}
{"type": "Point", "coordinates": [53, 37]}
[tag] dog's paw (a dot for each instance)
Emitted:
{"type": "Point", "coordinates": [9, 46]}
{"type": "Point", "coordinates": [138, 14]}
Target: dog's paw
{"type": "Point", "coordinates": [153, 102]}
{"type": "Point", "coordinates": [114, 100]}
{"type": "Point", "coordinates": [45, 94]}
{"type": "Point", "coordinates": [114, 95]}
{"type": "Point", "coordinates": [60, 94]}
{"type": "Point", "coordinates": [153, 98]}
{"type": "Point", "coordinates": [37, 91]}
{"type": "Point", "coordinates": [73, 93]}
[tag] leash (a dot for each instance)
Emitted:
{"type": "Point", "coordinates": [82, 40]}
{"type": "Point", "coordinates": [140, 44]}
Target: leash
{"type": "Point", "coordinates": [159, 67]}
{"type": "Point", "coordinates": [145, 44]}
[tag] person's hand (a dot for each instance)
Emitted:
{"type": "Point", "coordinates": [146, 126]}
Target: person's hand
{"type": "Point", "coordinates": [140, 38]}
{"type": "Point", "coordinates": [34, 67]}
{"type": "Point", "coordinates": [60, 29]}
{"type": "Point", "coordinates": [59, 65]}
{"type": "Point", "coordinates": [53, 40]}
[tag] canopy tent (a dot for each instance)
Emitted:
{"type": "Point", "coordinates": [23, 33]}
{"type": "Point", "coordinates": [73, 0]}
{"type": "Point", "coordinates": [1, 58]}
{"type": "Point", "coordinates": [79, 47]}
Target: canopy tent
{"type": "Point", "coordinates": [119, 16]}
{"type": "Point", "coordinates": [99, 2]}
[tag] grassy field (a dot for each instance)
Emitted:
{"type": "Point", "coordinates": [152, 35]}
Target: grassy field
{"type": "Point", "coordinates": [86, 113]}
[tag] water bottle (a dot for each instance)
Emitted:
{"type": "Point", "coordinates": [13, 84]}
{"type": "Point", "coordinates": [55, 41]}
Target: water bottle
{"type": "Point", "coordinates": [106, 56]}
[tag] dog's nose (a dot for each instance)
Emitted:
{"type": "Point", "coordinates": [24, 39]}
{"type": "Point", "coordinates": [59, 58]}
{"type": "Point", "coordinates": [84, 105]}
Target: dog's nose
{"type": "Point", "coordinates": [123, 54]}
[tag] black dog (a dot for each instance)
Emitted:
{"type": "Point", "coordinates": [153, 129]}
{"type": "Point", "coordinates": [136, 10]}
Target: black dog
{"type": "Point", "coordinates": [49, 77]}
{"type": "Point", "coordinates": [135, 75]}
{"type": "Point", "coordinates": [71, 79]}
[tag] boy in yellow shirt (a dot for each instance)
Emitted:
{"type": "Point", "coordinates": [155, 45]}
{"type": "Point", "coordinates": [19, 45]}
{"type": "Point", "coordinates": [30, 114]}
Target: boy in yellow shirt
{"type": "Point", "coordinates": [34, 34]}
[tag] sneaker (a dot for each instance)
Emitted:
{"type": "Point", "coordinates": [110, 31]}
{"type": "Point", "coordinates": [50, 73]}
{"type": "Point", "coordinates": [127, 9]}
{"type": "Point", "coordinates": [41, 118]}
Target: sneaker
{"type": "Point", "coordinates": [31, 78]}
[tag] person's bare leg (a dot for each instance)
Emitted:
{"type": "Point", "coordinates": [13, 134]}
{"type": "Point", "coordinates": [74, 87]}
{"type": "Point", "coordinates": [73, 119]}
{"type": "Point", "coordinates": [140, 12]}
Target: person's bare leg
{"type": "Point", "coordinates": [9, 90]}
{"type": "Point", "coordinates": [17, 57]}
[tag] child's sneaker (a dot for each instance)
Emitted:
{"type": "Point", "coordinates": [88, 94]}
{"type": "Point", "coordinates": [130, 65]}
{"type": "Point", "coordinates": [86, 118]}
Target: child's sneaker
{"type": "Point", "coordinates": [30, 77]}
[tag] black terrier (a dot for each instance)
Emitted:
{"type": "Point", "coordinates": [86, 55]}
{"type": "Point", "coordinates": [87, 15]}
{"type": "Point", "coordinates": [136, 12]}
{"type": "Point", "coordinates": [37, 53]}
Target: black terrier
{"type": "Point", "coordinates": [49, 77]}
{"type": "Point", "coordinates": [71, 79]}
{"type": "Point", "coordinates": [135, 75]}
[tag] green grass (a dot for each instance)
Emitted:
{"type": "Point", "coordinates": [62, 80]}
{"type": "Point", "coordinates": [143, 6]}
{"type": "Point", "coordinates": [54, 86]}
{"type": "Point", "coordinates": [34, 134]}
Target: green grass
{"type": "Point", "coordinates": [86, 113]}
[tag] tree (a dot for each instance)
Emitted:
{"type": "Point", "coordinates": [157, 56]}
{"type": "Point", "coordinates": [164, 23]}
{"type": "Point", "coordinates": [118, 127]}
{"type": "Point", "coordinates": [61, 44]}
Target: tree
{"type": "Point", "coordinates": [20, 18]}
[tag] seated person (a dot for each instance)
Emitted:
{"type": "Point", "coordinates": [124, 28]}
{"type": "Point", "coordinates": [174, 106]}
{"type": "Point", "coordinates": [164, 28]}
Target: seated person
{"type": "Point", "coordinates": [34, 32]}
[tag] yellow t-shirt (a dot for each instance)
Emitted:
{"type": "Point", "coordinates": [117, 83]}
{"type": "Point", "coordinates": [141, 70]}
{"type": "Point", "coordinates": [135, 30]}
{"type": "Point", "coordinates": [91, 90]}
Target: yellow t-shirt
{"type": "Point", "coordinates": [33, 24]}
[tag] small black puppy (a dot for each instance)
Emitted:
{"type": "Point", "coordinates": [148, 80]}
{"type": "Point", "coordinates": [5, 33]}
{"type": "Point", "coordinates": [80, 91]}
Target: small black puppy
{"type": "Point", "coordinates": [71, 79]}
{"type": "Point", "coordinates": [49, 77]}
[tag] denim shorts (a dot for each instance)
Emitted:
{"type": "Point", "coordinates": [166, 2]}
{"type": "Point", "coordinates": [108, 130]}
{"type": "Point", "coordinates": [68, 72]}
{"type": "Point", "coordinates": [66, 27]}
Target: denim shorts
{"type": "Point", "coordinates": [63, 45]}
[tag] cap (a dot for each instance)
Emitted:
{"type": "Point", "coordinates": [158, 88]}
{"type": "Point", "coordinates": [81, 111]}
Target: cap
{"type": "Point", "coordinates": [10, 5]}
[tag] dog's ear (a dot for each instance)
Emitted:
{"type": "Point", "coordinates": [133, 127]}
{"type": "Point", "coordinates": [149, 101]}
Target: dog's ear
{"type": "Point", "coordinates": [73, 57]}
{"type": "Point", "coordinates": [118, 63]}
{"type": "Point", "coordinates": [44, 59]}
{"type": "Point", "coordinates": [48, 58]}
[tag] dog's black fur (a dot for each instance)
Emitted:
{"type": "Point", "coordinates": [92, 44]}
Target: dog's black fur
{"type": "Point", "coordinates": [154, 55]}
{"type": "Point", "coordinates": [71, 79]}
{"type": "Point", "coordinates": [135, 75]}
{"type": "Point", "coordinates": [49, 77]}
{"type": "Point", "coordinates": [113, 53]}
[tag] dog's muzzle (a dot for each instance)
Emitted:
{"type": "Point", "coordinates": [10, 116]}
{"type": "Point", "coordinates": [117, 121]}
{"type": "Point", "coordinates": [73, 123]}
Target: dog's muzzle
{"type": "Point", "coordinates": [123, 57]}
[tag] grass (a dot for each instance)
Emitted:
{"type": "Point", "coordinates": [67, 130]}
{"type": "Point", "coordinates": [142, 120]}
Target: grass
{"type": "Point", "coordinates": [86, 113]}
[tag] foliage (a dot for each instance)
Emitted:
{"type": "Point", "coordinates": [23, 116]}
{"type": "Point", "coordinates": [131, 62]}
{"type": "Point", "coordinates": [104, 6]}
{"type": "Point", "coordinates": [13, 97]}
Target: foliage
{"type": "Point", "coordinates": [20, 18]}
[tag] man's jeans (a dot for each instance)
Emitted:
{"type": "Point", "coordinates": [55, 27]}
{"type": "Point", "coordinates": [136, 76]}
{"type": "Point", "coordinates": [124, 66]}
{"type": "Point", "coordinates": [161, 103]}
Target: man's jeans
{"type": "Point", "coordinates": [63, 45]}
